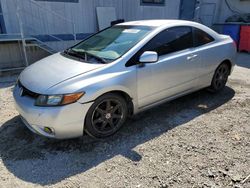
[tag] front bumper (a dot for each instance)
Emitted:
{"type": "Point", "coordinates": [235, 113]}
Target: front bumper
{"type": "Point", "coordinates": [65, 121]}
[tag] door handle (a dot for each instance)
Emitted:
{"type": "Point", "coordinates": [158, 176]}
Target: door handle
{"type": "Point", "coordinates": [192, 57]}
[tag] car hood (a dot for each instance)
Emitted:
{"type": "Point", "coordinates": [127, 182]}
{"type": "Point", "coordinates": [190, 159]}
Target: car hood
{"type": "Point", "coordinates": [53, 70]}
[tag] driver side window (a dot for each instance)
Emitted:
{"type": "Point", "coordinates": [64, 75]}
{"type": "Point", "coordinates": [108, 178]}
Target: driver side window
{"type": "Point", "coordinates": [171, 40]}
{"type": "Point", "coordinates": [168, 41]}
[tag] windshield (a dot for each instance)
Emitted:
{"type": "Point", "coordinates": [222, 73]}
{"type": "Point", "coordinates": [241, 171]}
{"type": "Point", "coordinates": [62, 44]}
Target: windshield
{"type": "Point", "coordinates": [112, 43]}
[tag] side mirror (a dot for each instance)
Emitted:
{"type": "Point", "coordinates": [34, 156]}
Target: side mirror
{"type": "Point", "coordinates": [149, 57]}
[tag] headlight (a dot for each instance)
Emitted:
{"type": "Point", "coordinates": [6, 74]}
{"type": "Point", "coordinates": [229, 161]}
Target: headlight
{"type": "Point", "coordinates": [58, 100]}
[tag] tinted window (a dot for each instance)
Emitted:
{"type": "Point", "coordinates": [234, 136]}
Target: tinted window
{"type": "Point", "coordinates": [201, 37]}
{"type": "Point", "coordinates": [171, 40]}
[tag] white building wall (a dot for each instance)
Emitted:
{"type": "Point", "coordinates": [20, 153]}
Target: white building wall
{"type": "Point", "coordinates": [207, 12]}
{"type": "Point", "coordinates": [134, 11]}
{"type": "Point", "coordinates": [38, 20]}
{"type": "Point", "coordinates": [240, 6]}
{"type": "Point", "coordinates": [217, 11]}
{"type": "Point", "coordinates": [223, 12]}
{"type": "Point", "coordinates": [10, 18]}
{"type": "Point", "coordinates": [83, 14]}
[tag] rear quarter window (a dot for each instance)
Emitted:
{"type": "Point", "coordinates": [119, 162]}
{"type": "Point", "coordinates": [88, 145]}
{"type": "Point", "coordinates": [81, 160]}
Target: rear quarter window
{"type": "Point", "coordinates": [201, 37]}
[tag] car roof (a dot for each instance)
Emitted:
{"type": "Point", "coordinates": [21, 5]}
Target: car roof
{"type": "Point", "coordinates": [155, 23]}
{"type": "Point", "coordinates": [165, 23]}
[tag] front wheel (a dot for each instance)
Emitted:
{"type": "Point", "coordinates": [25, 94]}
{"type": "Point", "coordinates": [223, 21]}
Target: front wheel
{"type": "Point", "coordinates": [220, 78]}
{"type": "Point", "coordinates": [106, 116]}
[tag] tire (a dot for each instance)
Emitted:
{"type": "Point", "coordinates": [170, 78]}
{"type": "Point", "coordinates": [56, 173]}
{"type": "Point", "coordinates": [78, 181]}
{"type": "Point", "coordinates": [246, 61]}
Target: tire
{"type": "Point", "coordinates": [106, 116]}
{"type": "Point", "coordinates": [220, 78]}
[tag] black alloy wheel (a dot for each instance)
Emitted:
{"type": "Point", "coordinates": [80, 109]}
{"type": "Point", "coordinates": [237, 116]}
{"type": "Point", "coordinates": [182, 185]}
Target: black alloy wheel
{"type": "Point", "coordinates": [220, 78]}
{"type": "Point", "coordinates": [106, 116]}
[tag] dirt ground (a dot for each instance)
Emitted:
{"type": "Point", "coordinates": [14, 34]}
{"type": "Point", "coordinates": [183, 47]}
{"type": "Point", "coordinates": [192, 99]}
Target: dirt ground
{"type": "Point", "coordinates": [200, 140]}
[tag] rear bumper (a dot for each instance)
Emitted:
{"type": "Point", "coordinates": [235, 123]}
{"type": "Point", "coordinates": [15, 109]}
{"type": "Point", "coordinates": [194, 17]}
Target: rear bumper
{"type": "Point", "coordinates": [65, 121]}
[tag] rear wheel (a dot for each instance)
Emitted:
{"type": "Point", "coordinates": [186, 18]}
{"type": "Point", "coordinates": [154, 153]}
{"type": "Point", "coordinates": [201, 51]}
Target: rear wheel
{"type": "Point", "coordinates": [220, 78]}
{"type": "Point", "coordinates": [106, 116]}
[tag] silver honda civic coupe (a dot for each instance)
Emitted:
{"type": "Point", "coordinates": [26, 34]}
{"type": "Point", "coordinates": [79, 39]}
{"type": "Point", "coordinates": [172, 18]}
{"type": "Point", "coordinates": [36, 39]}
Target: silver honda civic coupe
{"type": "Point", "coordinates": [95, 85]}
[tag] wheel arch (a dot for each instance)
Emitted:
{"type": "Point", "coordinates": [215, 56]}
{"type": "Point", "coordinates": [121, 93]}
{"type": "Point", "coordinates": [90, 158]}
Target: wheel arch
{"type": "Point", "coordinates": [228, 63]}
{"type": "Point", "coordinates": [88, 129]}
{"type": "Point", "coordinates": [125, 96]}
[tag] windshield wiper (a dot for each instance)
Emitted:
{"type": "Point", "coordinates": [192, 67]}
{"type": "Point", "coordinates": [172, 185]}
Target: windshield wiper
{"type": "Point", "coordinates": [97, 57]}
{"type": "Point", "coordinates": [73, 53]}
{"type": "Point", "coordinates": [84, 55]}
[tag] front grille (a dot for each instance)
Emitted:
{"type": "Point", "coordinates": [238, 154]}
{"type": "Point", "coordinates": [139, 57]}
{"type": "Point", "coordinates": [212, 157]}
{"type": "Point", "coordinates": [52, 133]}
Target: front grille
{"type": "Point", "coordinates": [27, 92]}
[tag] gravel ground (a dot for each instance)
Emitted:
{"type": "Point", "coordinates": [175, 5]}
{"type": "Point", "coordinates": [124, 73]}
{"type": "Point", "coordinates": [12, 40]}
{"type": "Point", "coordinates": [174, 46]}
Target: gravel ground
{"type": "Point", "coordinates": [200, 140]}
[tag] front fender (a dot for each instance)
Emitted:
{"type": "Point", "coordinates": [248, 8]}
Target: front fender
{"type": "Point", "coordinates": [93, 94]}
{"type": "Point", "coordinates": [124, 81]}
{"type": "Point", "coordinates": [116, 78]}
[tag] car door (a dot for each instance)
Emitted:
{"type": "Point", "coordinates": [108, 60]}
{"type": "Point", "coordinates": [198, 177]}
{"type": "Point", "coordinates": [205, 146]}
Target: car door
{"type": "Point", "coordinates": [175, 71]}
{"type": "Point", "coordinates": [206, 49]}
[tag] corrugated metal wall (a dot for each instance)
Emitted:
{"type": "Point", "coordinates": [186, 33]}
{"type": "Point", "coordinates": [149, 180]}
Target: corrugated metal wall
{"type": "Point", "coordinates": [132, 10]}
{"type": "Point", "coordinates": [82, 13]}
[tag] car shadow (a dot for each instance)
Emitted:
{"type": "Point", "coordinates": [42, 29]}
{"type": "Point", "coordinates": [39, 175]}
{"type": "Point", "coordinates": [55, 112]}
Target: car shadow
{"type": "Point", "coordinates": [43, 161]}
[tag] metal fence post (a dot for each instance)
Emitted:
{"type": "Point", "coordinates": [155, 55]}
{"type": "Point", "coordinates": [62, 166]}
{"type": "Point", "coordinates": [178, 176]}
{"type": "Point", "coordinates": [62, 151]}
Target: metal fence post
{"type": "Point", "coordinates": [74, 30]}
{"type": "Point", "coordinates": [22, 34]}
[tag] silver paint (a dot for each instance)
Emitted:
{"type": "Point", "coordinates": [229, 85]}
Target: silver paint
{"type": "Point", "coordinates": [173, 75]}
